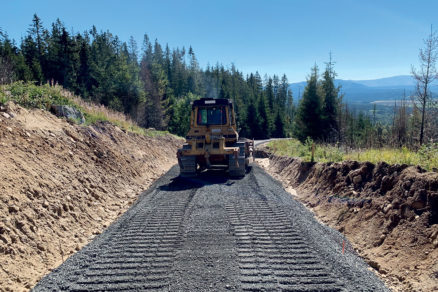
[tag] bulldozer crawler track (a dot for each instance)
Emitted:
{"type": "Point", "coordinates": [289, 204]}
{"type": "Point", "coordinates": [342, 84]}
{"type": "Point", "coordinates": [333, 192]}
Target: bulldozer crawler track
{"type": "Point", "coordinates": [212, 233]}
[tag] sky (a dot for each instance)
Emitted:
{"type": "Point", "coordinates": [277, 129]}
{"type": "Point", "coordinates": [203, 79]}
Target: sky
{"type": "Point", "coordinates": [368, 39]}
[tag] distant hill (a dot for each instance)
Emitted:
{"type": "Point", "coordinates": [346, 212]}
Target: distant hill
{"type": "Point", "coordinates": [366, 91]}
{"type": "Point", "coordinates": [395, 82]}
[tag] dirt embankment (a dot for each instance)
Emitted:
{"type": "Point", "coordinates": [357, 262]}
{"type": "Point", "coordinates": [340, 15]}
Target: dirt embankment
{"type": "Point", "coordinates": [61, 184]}
{"type": "Point", "coordinates": [388, 212]}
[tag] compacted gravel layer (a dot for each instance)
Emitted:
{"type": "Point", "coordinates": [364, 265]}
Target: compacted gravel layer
{"type": "Point", "coordinates": [212, 233]}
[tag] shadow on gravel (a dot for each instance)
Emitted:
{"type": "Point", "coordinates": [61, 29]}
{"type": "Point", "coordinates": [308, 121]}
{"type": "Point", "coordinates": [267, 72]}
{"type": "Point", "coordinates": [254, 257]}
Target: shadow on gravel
{"type": "Point", "coordinates": [208, 177]}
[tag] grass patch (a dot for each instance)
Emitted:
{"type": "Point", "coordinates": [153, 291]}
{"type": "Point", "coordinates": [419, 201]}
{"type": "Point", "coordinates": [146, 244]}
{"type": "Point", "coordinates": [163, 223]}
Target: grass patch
{"type": "Point", "coordinates": [29, 95]}
{"type": "Point", "coordinates": [294, 148]}
{"type": "Point", "coordinates": [94, 113]}
{"type": "Point", "coordinates": [426, 156]}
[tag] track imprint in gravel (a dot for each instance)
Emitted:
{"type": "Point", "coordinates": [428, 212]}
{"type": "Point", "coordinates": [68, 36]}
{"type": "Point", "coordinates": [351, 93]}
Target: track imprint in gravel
{"type": "Point", "coordinates": [212, 233]}
{"type": "Point", "coordinates": [272, 255]}
{"type": "Point", "coordinates": [140, 257]}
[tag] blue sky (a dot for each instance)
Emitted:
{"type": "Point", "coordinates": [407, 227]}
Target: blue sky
{"type": "Point", "coordinates": [368, 39]}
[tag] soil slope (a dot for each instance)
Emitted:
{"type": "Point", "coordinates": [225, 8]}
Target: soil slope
{"type": "Point", "coordinates": [61, 184]}
{"type": "Point", "coordinates": [388, 212]}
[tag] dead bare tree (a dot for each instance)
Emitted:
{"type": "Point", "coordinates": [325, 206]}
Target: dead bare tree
{"type": "Point", "coordinates": [400, 124]}
{"type": "Point", "coordinates": [6, 71]}
{"type": "Point", "coordinates": [425, 75]}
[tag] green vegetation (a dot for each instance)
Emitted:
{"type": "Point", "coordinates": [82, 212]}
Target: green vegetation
{"type": "Point", "coordinates": [30, 95]}
{"type": "Point", "coordinates": [295, 148]}
{"type": "Point", "coordinates": [426, 156]}
{"type": "Point", "coordinates": [154, 85]}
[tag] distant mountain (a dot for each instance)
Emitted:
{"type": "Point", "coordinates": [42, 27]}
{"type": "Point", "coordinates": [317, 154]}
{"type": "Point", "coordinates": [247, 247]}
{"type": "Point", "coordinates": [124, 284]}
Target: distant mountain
{"type": "Point", "coordinates": [406, 81]}
{"type": "Point", "coordinates": [366, 91]}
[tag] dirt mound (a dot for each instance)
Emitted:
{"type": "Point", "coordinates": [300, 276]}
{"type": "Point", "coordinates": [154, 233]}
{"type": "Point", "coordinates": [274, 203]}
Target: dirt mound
{"type": "Point", "coordinates": [388, 212]}
{"type": "Point", "coordinates": [61, 184]}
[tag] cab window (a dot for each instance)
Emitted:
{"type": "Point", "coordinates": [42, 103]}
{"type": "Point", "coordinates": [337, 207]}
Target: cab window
{"type": "Point", "coordinates": [212, 116]}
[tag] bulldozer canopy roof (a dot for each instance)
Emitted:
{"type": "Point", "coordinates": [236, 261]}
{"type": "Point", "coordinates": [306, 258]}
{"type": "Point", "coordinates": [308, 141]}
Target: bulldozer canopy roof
{"type": "Point", "coordinates": [212, 101]}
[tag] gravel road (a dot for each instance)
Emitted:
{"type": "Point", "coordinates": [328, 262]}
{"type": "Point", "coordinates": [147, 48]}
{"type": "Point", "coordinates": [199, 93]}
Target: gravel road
{"type": "Point", "coordinates": [212, 233]}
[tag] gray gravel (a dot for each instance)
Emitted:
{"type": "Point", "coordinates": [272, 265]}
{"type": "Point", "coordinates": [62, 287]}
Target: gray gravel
{"type": "Point", "coordinates": [212, 233]}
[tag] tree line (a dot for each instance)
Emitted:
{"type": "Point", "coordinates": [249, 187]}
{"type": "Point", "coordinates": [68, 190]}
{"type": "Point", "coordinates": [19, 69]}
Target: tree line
{"type": "Point", "coordinates": [155, 85]}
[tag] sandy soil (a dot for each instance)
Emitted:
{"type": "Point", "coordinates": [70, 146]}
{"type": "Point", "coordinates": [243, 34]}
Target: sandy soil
{"type": "Point", "coordinates": [388, 213]}
{"type": "Point", "coordinates": [62, 184]}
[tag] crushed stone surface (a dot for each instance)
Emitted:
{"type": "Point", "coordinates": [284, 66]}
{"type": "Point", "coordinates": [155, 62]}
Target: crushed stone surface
{"type": "Point", "coordinates": [212, 233]}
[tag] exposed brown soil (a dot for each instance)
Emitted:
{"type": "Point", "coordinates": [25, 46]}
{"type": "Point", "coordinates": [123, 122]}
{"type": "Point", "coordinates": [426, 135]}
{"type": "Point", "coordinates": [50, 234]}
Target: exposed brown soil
{"type": "Point", "coordinates": [389, 213]}
{"type": "Point", "coordinates": [62, 184]}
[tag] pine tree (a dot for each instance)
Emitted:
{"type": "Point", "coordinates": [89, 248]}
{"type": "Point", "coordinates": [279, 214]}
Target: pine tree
{"type": "Point", "coordinates": [269, 92]}
{"type": "Point", "coordinates": [276, 86]}
{"type": "Point", "coordinates": [30, 52]}
{"type": "Point", "coordinates": [265, 123]}
{"type": "Point", "coordinates": [252, 122]}
{"type": "Point", "coordinates": [290, 114]}
{"type": "Point", "coordinates": [279, 131]}
{"type": "Point", "coordinates": [36, 31]}
{"type": "Point", "coordinates": [155, 83]}
{"type": "Point", "coordinates": [282, 92]}
{"type": "Point", "coordinates": [7, 66]}
{"type": "Point", "coordinates": [330, 104]}
{"type": "Point", "coordinates": [133, 50]}
{"type": "Point", "coordinates": [194, 79]}
{"type": "Point", "coordinates": [84, 82]}
{"type": "Point", "coordinates": [425, 76]}
{"type": "Point", "coordinates": [308, 118]}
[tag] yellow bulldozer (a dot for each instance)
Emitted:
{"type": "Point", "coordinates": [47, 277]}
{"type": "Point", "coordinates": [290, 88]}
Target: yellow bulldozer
{"type": "Point", "coordinates": [213, 140]}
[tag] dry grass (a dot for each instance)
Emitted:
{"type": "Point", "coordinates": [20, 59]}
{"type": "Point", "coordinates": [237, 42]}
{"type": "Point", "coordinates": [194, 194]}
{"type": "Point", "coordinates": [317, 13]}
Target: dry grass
{"type": "Point", "coordinates": [426, 156]}
{"type": "Point", "coordinates": [34, 96]}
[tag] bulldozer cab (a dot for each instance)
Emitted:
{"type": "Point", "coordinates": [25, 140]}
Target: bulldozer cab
{"type": "Point", "coordinates": [213, 112]}
{"type": "Point", "coordinates": [213, 115]}
{"type": "Point", "coordinates": [212, 140]}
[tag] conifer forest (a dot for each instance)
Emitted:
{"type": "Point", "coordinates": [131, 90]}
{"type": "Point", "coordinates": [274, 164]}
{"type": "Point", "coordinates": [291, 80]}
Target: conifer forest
{"type": "Point", "coordinates": [155, 84]}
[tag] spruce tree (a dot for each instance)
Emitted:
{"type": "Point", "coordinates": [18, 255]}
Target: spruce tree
{"type": "Point", "coordinates": [282, 92]}
{"type": "Point", "coordinates": [269, 92]}
{"type": "Point", "coordinates": [30, 52]}
{"type": "Point", "coordinates": [330, 104]}
{"type": "Point", "coordinates": [252, 122]}
{"type": "Point", "coordinates": [265, 123]}
{"type": "Point", "coordinates": [279, 131]}
{"type": "Point", "coordinates": [84, 81]}
{"type": "Point", "coordinates": [36, 31]}
{"type": "Point", "coordinates": [290, 114]}
{"type": "Point", "coordinates": [308, 118]}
